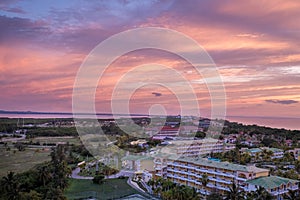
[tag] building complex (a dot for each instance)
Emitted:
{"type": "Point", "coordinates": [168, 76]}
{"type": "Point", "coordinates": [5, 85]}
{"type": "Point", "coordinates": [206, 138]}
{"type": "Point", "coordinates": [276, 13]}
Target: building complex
{"type": "Point", "coordinates": [189, 171]}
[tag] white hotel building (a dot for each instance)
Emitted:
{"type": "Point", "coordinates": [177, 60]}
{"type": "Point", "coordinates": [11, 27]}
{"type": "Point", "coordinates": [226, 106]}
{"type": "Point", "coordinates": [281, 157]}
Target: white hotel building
{"type": "Point", "coordinates": [189, 171]}
{"type": "Point", "coordinates": [192, 148]}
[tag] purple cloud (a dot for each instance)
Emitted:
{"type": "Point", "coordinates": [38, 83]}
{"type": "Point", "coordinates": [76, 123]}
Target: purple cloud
{"type": "Point", "coordinates": [157, 94]}
{"type": "Point", "coordinates": [13, 10]}
{"type": "Point", "coordinates": [284, 102]}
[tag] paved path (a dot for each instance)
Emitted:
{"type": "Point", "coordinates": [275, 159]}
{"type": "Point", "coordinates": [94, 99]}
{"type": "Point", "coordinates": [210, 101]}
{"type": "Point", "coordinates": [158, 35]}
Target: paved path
{"type": "Point", "coordinates": [135, 186]}
{"type": "Point", "coordinates": [76, 176]}
{"type": "Point", "coordinates": [13, 139]}
{"type": "Point", "coordinates": [122, 173]}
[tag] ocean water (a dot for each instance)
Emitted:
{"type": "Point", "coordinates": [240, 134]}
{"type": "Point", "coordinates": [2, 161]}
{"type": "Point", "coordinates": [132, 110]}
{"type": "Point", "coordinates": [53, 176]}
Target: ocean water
{"type": "Point", "coordinates": [274, 122]}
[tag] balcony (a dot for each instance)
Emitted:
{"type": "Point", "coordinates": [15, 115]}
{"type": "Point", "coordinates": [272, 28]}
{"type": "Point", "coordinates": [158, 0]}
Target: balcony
{"type": "Point", "coordinates": [220, 187]}
{"type": "Point", "coordinates": [178, 171]}
{"type": "Point", "coordinates": [190, 166]}
{"type": "Point", "coordinates": [279, 192]}
{"type": "Point", "coordinates": [170, 175]}
{"type": "Point", "coordinates": [198, 175]}
{"type": "Point", "coordinates": [216, 172]}
{"type": "Point", "coordinates": [241, 179]}
{"type": "Point", "coordinates": [181, 178]}
{"type": "Point", "coordinates": [294, 187]}
{"type": "Point", "coordinates": [220, 180]}
{"type": "Point", "coordinates": [202, 170]}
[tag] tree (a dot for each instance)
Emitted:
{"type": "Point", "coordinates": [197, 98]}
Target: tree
{"type": "Point", "coordinates": [32, 195]}
{"type": "Point", "coordinates": [297, 166]}
{"type": "Point", "coordinates": [10, 186]}
{"type": "Point", "coordinates": [200, 134]}
{"type": "Point", "coordinates": [204, 180]}
{"type": "Point", "coordinates": [287, 157]}
{"type": "Point", "coordinates": [61, 170]}
{"type": "Point", "coordinates": [262, 194]}
{"type": "Point", "coordinates": [234, 193]}
{"type": "Point", "coordinates": [245, 158]}
{"type": "Point", "coordinates": [214, 196]}
{"type": "Point", "coordinates": [44, 174]}
{"type": "Point", "coordinates": [292, 195]}
{"type": "Point", "coordinates": [55, 194]}
{"type": "Point", "coordinates": [98, 179]}
{"type": "Point", "coordinates": [266, 155]}
{"type": "Point", "coordinates": [292, 174]}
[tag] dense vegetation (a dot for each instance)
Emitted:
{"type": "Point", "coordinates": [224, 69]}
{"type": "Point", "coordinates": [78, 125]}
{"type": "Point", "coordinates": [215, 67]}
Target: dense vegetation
{"type": "Point", "coordinates": [46, 181]}
{"type": "Point", "coordinates": [168, 190]}
{"type": "Point", "coordinates": [235, 128]}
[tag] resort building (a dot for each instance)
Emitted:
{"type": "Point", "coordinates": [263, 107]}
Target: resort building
{"type": "Point", "coordinates": [276, 153]}
{"type": "Point", "coordinates": [166, 132]}
{"type": "Point", "coordinates": [137, 163]}
{"type": "Point", "coordinates": [221, 175]}
{"type": "Point", "coordinates": [275, 185]}
{"type": "Point", "coordinates": [200, 147]}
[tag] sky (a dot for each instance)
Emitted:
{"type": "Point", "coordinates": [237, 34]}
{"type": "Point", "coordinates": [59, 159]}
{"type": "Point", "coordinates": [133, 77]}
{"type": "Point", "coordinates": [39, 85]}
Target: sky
{"type": "Point", "coordinates": [255, 46]}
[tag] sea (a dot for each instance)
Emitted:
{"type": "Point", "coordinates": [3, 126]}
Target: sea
{"type": "Point", "coordinates": [291, 123]}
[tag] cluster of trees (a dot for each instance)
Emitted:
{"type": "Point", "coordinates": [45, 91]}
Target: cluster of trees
{"type": "Point", "coordinates": [260, 194]}
{"type": "Point", "coordinates": [234, 128]}
{"type": "Point", "coordinates": [51, 131]}
{"type": "Point", "coordinates": [46, 181]}
{"type": "Point", "coordinates": [98, 179]}
{"type": "Point", "coordinates": [200, 134]}
{"type": "Point", "coordinates": [233, 156]}
{"type": "Point", "coordinates": [168, 190]}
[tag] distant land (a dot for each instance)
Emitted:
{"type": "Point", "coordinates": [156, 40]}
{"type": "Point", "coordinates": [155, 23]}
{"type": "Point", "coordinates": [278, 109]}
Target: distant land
{"type": "Point", "coordinates": [61, 113]}
{"type": "Point", "coordinates": [292, 123]}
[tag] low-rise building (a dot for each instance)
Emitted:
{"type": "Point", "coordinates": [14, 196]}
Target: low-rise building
{"type": "Point", "coordinates": [137, 163]}
{"type": "Point", "coordinates": [276, 153]}
{"type": "Point", "coordinates": [275, 185]}
{"type": "Point", "coordinates": [220, 175]}
{"type": "Point", "coordinates": [200, 147]}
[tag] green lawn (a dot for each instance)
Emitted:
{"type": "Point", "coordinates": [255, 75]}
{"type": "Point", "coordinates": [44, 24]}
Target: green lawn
{"type": "Point", "coordinates": [42, 140]}
{"type": "Point", "coordinates": [21, 161]}
{"type": "Point", "coordinates": [110, 189]}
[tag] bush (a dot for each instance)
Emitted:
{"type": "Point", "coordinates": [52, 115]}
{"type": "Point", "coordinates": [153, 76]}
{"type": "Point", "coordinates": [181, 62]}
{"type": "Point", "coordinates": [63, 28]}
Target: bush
{"type": "Point", "coordinates": [98, 179]}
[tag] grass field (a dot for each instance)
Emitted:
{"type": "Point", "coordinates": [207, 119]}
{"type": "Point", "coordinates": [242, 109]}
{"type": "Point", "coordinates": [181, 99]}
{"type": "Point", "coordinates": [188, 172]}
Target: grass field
{"type": "Point", "coordinates": [42, 140]}
{"type": "Point", "coordinates": [110, 189]}
{"type": "Point", "coordinates": [21, 161]}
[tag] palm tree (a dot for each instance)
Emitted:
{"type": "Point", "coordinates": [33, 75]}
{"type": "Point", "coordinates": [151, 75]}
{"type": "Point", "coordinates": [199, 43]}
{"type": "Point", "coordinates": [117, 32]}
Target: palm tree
{"type": "Point", "coordinates": [262, 194]}
{"type": "Point", "coordinates": [179, 192]}
{"type": "Point", "coordinates": [151, 183]}
{"type": "Point", "coordinates": [204, 180]}
{"type": "Point", "coordinates": [266, 155]}
{"type": "Point", "coordinates": [214, 196]}
{"type": "Point", "coordinates": [234, 193]}
{"type": "Point", "coordinates": [44, 175]}
{"type": "Point", "coordinates": [167, 185]}
{"type": "Point", "coordinates": [292, 195]}
{"type": "Point", "coordinates": [10, 186]}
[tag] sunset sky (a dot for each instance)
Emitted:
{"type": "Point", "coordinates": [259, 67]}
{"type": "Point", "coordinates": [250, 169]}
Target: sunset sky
{"type": "Point", "coordinates": [254, 44]}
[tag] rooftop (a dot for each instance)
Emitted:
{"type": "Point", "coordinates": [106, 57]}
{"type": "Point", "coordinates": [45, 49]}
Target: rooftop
{"type": "Point", "coordinates": [222, 165]}
{"type": "Point", "coordinates": [136, 157]}
{"type": "Point", "coordinates": [270, 182]}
